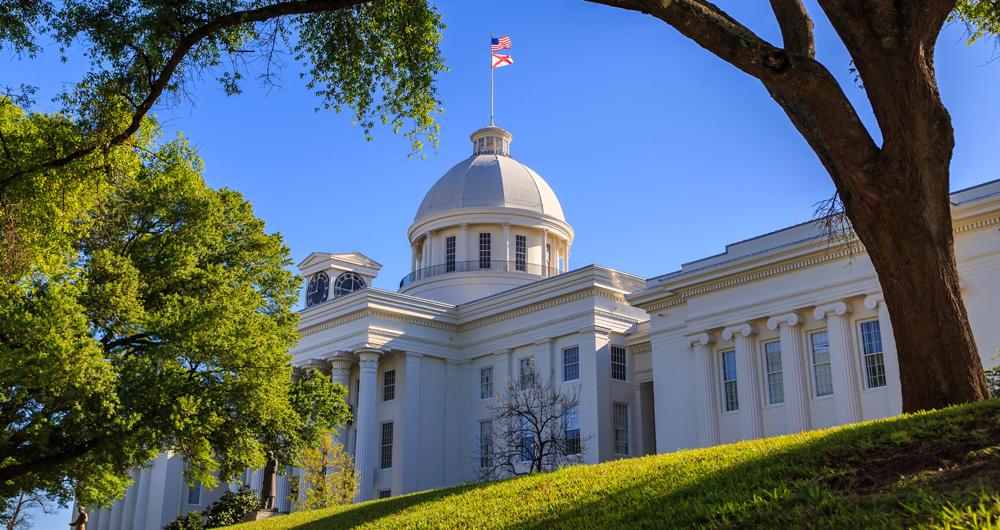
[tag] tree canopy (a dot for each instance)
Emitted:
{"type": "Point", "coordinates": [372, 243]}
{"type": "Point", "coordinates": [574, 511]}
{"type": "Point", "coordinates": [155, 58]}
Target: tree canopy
{"type": "Point", "coordinates": [162, 319]}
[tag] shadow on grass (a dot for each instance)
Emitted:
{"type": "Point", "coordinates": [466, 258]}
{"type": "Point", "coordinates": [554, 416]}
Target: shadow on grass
{"type": "Point", "coordinates": [857, 476]}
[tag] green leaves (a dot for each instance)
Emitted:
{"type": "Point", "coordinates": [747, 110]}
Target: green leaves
{"type": "Point", "coordinates": [981, 17]}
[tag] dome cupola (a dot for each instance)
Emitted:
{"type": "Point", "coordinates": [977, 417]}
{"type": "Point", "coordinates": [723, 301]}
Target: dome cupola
{"type": "Point", "coordinates": [490, 223]}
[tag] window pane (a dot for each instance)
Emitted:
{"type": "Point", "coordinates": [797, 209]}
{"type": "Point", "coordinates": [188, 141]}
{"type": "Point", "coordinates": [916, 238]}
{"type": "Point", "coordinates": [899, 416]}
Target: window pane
{"type": "Point", "coordinates": [389, 385]}
{"type": "Point", "coordinates": [571, 364]}
{"type": "Point", "coordinates": [449, 254]}
{"type": "Point", "coordinates": [486, 382]}
{"type": "Point", "coordinates": [571, 423]}
{"type": "Point", "coordinates": [871, 346]}
{"type": "Point", "coordinates": [618, 363]}
{"type": "Point", "coordinates": [485, 443]}
{"type": "Point", "coordinates": [521, 253]}
{"type": "Point", "coordinates": [820, 350]}
{"type": "Point", "coordinates": [730, 395]}
{"type": "Point", "coordinates": [484, 251]}
{"type": "Point", "coordinates": [386, 453]}
{"type": "Point", "coordinates": [620, 419]}
{"type": "Point", "coordinates": [773, 374]}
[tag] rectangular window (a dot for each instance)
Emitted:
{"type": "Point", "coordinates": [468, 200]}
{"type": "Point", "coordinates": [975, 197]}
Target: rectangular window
{"type": "Point", "coordinates": [484, 251]}
{"type": "Point", "coordinates": [526, 370]}
{"type": "Point", "coordinates": [619, 415]}
{"type": "Point", "coordinates": [571, 425]}
{"type": "Point", "coordinates": [819, 347]}
{"type": "Point", "coordinates": [449, 254]}
{"type": "Point", "coordinates": [772, 373]}
{"type": "Point", "coordinates": [485, 443]}
{"type": "Point", "coordinates": [386, 454]}
{"type": "Point", "coordinates": [486, 382]}
{"type": "Point", "coordinates": [194, 494]}
{"type": "Point", "coordinates": [730, 394]}
{"type": "Point", "coordinates": [521, 253]}
{"type": "Point", "coordinates": [571, 364]}
{"type": "Point", "coordinates": [389, 385]}
{"type": "Point", "coordinates": [871, 351]}
{"type": "Point", "coordinates": [618, 363]}
{"type": "Point", "coordinates": [548, 258]}
{"type": "Point", "coordinates": [384, 494]}
{"type": "Point", "coordinates": [527, 440]}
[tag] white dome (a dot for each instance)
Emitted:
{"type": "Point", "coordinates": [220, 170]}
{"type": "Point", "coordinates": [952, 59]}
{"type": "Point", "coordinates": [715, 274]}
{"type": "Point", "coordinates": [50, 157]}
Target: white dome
{"type": "Point", "coordinates": [490, 179]}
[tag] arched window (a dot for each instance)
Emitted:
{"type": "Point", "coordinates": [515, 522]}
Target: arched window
{"type": "Point", "coordinates": [318, 289]}
{"type": "Point", "coordinates": [347, 283]}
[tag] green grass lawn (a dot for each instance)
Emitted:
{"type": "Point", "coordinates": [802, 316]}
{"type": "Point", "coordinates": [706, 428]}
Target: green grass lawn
{"type": "Point", "coordinates": [937, 469]}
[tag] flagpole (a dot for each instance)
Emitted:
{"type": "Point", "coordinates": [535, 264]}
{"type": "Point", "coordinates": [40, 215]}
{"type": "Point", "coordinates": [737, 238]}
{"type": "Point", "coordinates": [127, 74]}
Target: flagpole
{"type": "Point", "coordinates": [491, 79]}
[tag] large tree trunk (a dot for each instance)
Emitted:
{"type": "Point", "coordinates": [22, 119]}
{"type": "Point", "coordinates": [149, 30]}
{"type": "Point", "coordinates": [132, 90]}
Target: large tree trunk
{"type": "Point", "coordinates": [911, 245]}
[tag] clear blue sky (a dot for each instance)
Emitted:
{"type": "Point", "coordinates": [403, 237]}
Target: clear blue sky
{"type": "Point", "coordinates": [659, 152]}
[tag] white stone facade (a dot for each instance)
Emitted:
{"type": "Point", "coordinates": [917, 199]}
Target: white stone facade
{"type": "Point", "coordinates": [777, 334]}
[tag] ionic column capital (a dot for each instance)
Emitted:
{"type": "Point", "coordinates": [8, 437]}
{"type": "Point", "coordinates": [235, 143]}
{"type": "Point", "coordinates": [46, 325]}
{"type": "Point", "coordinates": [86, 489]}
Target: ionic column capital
{"type": "Point", "coordinates": [740, 330]}
{"type": "Point", "coordinates": [368, 359]}
{"type": "Point", "coordinates": [700, 339]}
{"type": "Point", "coordinates": [873, 300]}
{"type": "Point", "coordinates": [838, 308]}
{"type": "Point", "coordinates": [787, 319]}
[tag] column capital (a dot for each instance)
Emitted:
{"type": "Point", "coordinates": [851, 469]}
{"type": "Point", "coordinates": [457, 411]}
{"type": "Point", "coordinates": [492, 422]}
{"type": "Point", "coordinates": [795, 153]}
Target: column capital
{"type": "Point", "coordinates": [787, 319]}
{"type": "Point", "coordinates": [838, 308]}
{"type": "Point", "coordinates": [873, 300]}
{"type": "Point", "coordinates": [368, 358]}
{"type": "Point", "coordinates": [318, 364]}
{"type": "Point", "coordinates": [506, 226]}
{"type": "Point", "coordinates": [700, 339]}
{"type": "Point", "coordinates": [463, 226]}
{"type": "Point", "coordinates": [743, 329]}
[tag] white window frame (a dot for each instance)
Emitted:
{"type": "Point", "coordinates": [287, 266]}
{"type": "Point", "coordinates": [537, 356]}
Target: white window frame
{"type": "Point", "coordinates": [613, 349]}
{"type": "Point", "coordinates": [616, 408]}
{"type": "Point", "coordinates": [526, 432]}
{"type": "Point", "coordinates": [449, 254]}
{"type": "Point", "coordinates": [389, 385]}
{"type": "Point", "coordinates": [385, 447]}
{"type": "Point", "coordinates": [485, 443]}
{"type": "Point", "coordinates": [525, 369]}
{"type": "Point", "coordinates": [486, 382]}
{"type": "Point", "coordinates": [197, 487]}
{"type": "Point", "coordinates": [880, 354]}
{"type": "Point", "coordinates": [571, 423]}
{"type": "Point", "coordinates": [384, 494]}
{"type": "Point", "coordinates": [724, 381]}
{"type": "Point", "coordinates": [813, 365]}
{"type": "Point", "coordinates": [485, 250]}
{"type": "Point", "coordinates": [565, 365]}
{"type": "Point", "coordinates": [768, 390]}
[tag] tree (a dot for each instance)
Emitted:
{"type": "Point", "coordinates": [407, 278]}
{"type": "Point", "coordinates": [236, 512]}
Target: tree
{"type": "Point", "coordinates": [533, 427]}
{"type": "Point", "coordinates": [161, 319]}
{"type": "Point", "coordinates": [14, 511]}
{"type": "Point", "coordinates": [896, 194]}
{"type": "Point", "coordinates": [328, 476]}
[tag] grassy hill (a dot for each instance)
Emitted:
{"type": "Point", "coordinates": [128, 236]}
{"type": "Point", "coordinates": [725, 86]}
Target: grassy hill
{"type": "Point", "coordinates": [937, 469]}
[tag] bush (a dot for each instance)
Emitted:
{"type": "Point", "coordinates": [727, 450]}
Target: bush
{"type": "Point", "coordinates": [188, 521]}
{"type": "Point", "coordinates": [228, 510]}
{"type": "Point", "coordinates": [231, 508]}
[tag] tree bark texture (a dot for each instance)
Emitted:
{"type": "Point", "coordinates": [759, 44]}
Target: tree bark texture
{"type": "Point", "coordinates": [897, 194]}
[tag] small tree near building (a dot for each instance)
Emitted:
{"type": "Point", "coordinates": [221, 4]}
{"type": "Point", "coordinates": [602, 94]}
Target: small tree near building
{"type": "Point", "coordinates": [328, 477]}
{"type": "Point", "coordinates": [533, 427]}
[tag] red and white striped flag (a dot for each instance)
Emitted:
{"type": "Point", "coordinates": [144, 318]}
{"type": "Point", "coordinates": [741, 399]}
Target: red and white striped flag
{"type": "Point", "coordinates": [499, 43]}
{"type": "Point", "coordinates": [502, 60]}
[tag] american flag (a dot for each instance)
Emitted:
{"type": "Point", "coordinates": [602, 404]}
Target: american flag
{"type": "Point", "coordinates": [501, 43]}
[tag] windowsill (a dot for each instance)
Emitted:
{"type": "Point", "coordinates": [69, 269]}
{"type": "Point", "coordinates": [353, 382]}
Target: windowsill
{"type": "Point", "coordinates": [775, 405]}
{"type": "Point", "coordinates": [730, 412]}
{"type": "Point", "coordinates": [822, 398]}
{"type": "Point", "coordinates": [876, 389]}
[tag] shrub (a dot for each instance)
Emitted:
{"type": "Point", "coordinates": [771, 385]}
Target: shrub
{"type": "Point", "coordinates": [231, 508]}
{"type": "Point", "coordinates": [188, 521]}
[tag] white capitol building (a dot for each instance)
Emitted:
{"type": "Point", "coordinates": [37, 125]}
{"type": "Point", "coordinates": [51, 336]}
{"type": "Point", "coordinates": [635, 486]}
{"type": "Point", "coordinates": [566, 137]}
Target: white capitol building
{"type": "Point", "coordinates": [779, 333]}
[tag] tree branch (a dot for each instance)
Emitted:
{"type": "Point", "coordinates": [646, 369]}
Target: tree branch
{"type": "Point", "coordinates": [796, 27]}
{"type": "Point", "coordinates": [184, 46]}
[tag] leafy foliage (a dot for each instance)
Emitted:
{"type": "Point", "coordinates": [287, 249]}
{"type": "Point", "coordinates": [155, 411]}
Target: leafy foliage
{"type": "Point", "coordinates": [981, 17]}
{"type": "Point", "coordinates": [328, 477]}
{"type": "Point", "coordinates": [928, 470]}
{"type": "Point", "coordinates": [231, 508]}
{"type": "Point", "coordinates": [187, 521]}
{"type": "Point", "coordinates": [157, 313]}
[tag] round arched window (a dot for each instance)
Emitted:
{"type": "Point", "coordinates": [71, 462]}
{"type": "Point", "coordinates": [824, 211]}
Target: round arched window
{"type": "Point", "coordinates": [347, 283]}
{"type": "Point", "coordinates": [318, 290]}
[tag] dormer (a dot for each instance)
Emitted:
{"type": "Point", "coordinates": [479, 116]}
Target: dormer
{"type": "Point", "coordinates": [330, 276]}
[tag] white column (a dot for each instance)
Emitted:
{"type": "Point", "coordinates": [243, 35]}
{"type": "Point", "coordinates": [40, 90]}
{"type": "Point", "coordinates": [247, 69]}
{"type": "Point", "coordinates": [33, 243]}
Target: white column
{"type": "Point", "coordinates": [846, 384]}
{"type": "Point", "coordinates": [141, 500]}
{"type": "Point", "coordinates": [793, 371]}
{"type": "Point", "coordinates": [365, 451]}
{"type": "Point", "coordinates": [94, 517]}
{"type": "Point", "coordinates": [751, 425]}
{"type": "Point", "coordinates": [566, 263]}
{"type": "Point", "coordinates": [157, 491]}
{"type": "Point", "coordinates": [116, 514]}
{"type": "Point", "coordinates": [105, 520]}
{"type": "Point", "coordinates": [128, 512]}
{"type": "Point", "coordinates": [889, 354]}
{"type": "Point", "coordinates": [411, 422]}
{"type": "Point", "coordinates": [506, 245]}
{"type": "Point", "coordinates": [463, 244]}
{"type": "Point", "coordinates": [413, 257]}
{"type": "Point", "coordinates": [708, 395]}
{"type": "Point", "coordinates": [545, 251]}
{"type": "Point", "coordinates": [430, 248]}
{"type": "Point", "coordinates": [340, 373]}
